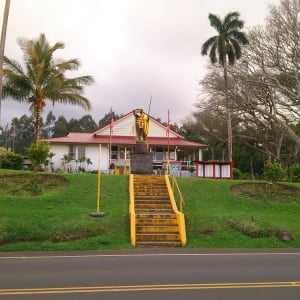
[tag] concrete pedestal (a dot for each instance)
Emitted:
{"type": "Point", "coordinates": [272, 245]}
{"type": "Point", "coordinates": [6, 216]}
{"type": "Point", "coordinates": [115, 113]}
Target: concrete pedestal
{"type": "Point", "coordinates": [141, 161]}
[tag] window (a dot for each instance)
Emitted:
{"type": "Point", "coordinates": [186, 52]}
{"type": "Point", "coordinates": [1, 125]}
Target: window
{"type": "Point", "coordinates": [159, 153]}
{"type": "Point", "coordinates": [128, 150]}
{"type": "Point", "coordinates": [76, 152]}
{"type": "Point", "coordinates": [122, 152]}
{"type": "Point", "coordinates": [114, 152]}
{"type": "Point", "coordinates": [72, 151]}
{"type": "Point", "coordinates": [80, 151]}
{"type": "Point", "coordinates": [172, 154]}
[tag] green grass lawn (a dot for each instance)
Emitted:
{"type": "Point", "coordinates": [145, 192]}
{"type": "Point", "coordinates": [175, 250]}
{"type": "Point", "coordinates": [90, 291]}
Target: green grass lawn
{"type": "Point", "coordinates": [56, 217]}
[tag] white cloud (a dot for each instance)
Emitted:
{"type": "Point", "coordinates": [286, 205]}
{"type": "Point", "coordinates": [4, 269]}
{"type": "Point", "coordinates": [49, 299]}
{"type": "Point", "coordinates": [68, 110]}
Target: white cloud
{"type": "Point", "coordinates": [133, 48]}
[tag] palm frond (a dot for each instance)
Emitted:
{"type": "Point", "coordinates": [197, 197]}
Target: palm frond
{"type": "Point", "coordinates": [213, 54]}
{"type": "Point", "coordinates": [227, 42]}
{"type": "Point", "coordinates": [208, 44]}
{"type": "Point", "coordinates": [240, 36]}
{"type": "Point", "coordinates": [13, 65]}
{"type": "Point", "coordinates": [231, 56]}
{"type": "Point", "coordinates": [43, 77]}
{"type": "Point", "coordinates": [73, 99]}
{"type": "Point", "coordinates": [235, 49]}
{"type": "Point", "coordinates": [215, 22]}
{"type": "Point", "coordinates": [68, 65]}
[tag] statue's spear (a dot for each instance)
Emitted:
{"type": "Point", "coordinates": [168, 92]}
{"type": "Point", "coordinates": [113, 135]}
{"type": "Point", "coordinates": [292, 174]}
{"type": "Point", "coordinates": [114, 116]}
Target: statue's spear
{"type": "Point", "coordinates": [150, 104]}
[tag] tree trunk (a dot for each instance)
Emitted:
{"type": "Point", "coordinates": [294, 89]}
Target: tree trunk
{"type": "Point", "coordinates": [38, 120]}
{"type": "Point", "coordinates": [228, 112]}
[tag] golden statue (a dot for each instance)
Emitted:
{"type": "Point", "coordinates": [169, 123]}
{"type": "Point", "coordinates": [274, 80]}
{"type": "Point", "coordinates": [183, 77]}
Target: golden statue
{"type": "Point", "coordinates": [141, 124]}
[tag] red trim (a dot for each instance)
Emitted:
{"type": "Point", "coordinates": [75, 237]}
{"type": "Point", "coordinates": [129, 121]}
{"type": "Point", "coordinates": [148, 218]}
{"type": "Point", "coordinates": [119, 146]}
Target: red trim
{"type": "Point", "coordinates": [90, 138]}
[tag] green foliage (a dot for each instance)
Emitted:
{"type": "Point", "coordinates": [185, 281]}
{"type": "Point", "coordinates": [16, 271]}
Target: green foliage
{"type": "Point", "coordinates": [12, 161]}
{"type": "Point", "coordinates": [67, 158]}
{"type": "Point", "coordinates": [294, 172]}
{"type": "Point", "coordinates": [22, 133]}
{"type": "Point", "coordinates": [38, 153]}
{"type": "Point", "coordinates": [38, 84]}
{"type": "Point", "coordinates": [3, 152]}
{"type": "Point", "coordinates": [237, 174]}
{"type": "Point", "coordinates": [192, 169]}
{"type": "Point", "coordinates": [228, 41]}
{"type": "Point", "coordinates": [273, 171]}
{"type": "Point", "coordinates": [252, 228]}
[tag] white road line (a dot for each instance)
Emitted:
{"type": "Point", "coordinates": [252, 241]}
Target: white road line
{"type": "Point", "coordinates": [149, 255]}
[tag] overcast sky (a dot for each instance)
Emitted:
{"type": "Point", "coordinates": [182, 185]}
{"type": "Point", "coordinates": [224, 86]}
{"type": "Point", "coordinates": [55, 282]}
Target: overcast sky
{"type": "Point", "coordinates": [132, 48]}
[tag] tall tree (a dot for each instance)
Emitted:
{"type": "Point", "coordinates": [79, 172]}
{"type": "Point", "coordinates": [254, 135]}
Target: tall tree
{"type": "Point", "coordinates": [43, 78]}
{"type": "Point", "coordinates": [22, 133]}
{"type": "Point", "coordinates": [225, 48]}
{"type": "Point", "coordinates": [60, 127]}
{"type": "Point", "coordinates": [87, 124]}
{"type": "Point", "coordinates": [107, 118]}
{"type": "Point", "coordinates": [48, 126]}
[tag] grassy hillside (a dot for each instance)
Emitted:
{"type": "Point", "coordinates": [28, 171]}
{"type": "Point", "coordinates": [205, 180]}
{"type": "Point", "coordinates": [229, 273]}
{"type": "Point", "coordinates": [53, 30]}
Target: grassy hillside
{"type": "Point", "coordinates": [53, 214]}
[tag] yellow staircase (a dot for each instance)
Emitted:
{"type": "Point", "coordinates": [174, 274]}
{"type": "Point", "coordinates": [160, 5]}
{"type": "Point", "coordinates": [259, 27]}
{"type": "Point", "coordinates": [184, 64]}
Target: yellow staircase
{"type": "Point", "coordinates": [155, 220]}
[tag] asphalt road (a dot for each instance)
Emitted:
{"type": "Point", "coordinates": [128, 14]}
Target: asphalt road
{"type": "Point", "coordinates": [151, 274]}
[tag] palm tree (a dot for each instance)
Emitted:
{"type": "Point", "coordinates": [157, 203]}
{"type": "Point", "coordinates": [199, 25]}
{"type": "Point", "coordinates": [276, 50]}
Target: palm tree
{"type": "Point", "coordinates": [43, 79]}
{"type": "Point", "coordinates": [225, 48]}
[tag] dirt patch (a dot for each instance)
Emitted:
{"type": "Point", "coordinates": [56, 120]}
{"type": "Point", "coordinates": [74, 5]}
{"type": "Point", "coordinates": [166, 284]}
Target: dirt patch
{"type": "Point", "coordinates": [267, 191]}
{"type": "Point", "coordinates": [29, 184]}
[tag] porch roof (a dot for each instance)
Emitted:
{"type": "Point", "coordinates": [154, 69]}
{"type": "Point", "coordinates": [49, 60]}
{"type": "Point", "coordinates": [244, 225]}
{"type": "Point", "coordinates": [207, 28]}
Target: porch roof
{"type": "Point", "coordinates": [91, 138]}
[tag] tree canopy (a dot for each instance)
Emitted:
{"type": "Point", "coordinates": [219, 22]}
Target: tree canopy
{"type": "Point", "coordinates": [43, 78]}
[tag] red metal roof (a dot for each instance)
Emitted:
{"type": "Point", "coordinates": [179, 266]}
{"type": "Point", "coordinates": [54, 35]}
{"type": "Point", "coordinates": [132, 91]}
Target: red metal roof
{"type": "Point", "coordinates": [91, 138]}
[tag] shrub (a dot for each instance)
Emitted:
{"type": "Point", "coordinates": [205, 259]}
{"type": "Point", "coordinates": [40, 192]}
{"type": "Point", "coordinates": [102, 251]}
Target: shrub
{"type": "Point", "coordinates": [3, 152]}
{"type": "Point", "coordinates": [273, 171]}
{"type": "Point", "coordinates": [12, 161]}
{"type": "Point", "coordinates": [252, 228]}
{"type": "Point", "coordinates": [237, 174]}
{"type": "Point", "coordinates": [38, 153]}
{"type": "Point", "coordinates": [295, 172]}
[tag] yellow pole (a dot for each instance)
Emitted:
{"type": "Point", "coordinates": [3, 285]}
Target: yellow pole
{"type": "Point", "coordinates": [99, 176]}
{"type": "Point", "coordinates": [168, 161]}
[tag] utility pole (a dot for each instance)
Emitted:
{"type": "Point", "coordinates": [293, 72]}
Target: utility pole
{"type": "Point", "coordinates": [2, 46]}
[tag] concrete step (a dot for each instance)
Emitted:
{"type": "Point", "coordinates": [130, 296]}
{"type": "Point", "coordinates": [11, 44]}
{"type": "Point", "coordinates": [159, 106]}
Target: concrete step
{"type": "Point", "coordinates": [149, 181]}
{"type": "Point", "coordinates": [153, 211]}
{"type": "Point", "coordinates": [158, 236]}
{"type": "Point", "coordinates": [158, 244]}
{"type": "Point", "coordinates": [156, 222]}
{"type": "Point", "coordinates": [152, 192]}
{"type": "Point", "coordinates": [153, 202]}
{"type": "Point", "coordinates": [154, 215]}
{"type": "Point", "coordinates": [157, 228]}
{"type": "Point", "coordinates": [151, 206]}
{"type": "Point", "coordinates": [154, 187]}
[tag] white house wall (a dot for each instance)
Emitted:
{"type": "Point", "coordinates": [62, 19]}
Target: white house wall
{"type": "Point", "coordinates": [60, 150]}
{"type": "Point", "coordinates": [126, 127]}
{"type": "Point", "coordinates": [91, 152]}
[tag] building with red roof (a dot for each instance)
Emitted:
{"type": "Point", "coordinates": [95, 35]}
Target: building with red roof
{"type": "Point", "coordinates": [111, 145]}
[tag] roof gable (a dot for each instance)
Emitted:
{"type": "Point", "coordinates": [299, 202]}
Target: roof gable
{"type": "Point", "coordinates": [125, 126]}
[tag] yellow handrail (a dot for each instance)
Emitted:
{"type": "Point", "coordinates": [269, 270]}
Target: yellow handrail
{"type": "Point", "coordinates": [175, 185]}
{"type": "Point", "coordinates": [132, 211]}
{"type": "Point", "coordinates": [179, 214]}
